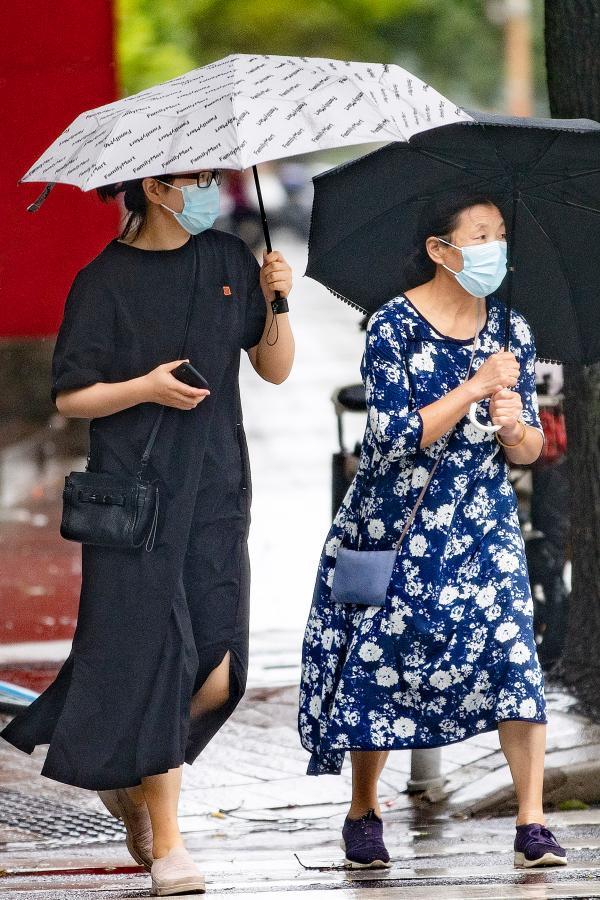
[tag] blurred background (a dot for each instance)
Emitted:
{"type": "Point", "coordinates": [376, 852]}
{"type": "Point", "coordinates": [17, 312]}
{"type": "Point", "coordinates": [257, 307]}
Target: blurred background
{"type": "Point", "coordinates": [61, 57]}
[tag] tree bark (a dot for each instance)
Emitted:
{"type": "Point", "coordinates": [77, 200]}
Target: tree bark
{"type": "Point", "coordinates": [572, 38]}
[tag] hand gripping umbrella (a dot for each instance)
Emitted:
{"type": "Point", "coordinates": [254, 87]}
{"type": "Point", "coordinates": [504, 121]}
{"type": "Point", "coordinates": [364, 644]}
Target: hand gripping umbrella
{"type": "Point", "coordinates": [237, 112]}
{"type": "Point", "coordinates": [543, 173]}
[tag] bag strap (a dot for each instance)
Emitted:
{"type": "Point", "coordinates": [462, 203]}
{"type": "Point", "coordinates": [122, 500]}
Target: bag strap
{"type": "Point", "coordinates": [419, 500]}
{"type": "Point", "coordinates": [157, 423]}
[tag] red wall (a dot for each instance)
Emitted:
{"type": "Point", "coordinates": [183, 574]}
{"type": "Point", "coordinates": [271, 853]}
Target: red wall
{"type": "Point", "coordinates": [56, 60]}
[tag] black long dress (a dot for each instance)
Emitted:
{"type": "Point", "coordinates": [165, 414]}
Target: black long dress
{"type": "Point", "coordinates": [152, 625]}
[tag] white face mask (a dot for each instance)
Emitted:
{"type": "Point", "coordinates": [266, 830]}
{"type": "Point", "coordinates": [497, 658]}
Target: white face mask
{"type": "Point", "coordinates": [484, 267]}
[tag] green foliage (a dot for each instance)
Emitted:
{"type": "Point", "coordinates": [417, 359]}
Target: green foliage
{"type": "Point", "coordinates": [566, 805]}
{"type": "Point", "coordinates": [453, 45]}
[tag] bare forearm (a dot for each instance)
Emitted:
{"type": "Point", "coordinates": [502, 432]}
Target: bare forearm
{"type": "Point", "coordinates": [528, 451]}
{"type": "Point", "coordinates": [274, 359]}
{"type": "Point", "coordinates": [102, 398]}
{"type": "Point", "coordinates": [439, 416]}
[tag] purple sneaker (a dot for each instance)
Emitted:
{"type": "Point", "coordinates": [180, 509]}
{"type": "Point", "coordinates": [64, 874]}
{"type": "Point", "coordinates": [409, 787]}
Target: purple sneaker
{"type": "Point", "coordinates": [535, 845]}
{"type": "Point", "coordinates": [362, 842]}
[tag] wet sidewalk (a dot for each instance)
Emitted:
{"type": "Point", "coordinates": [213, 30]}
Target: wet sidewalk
{"type": "Point", "coordinates": [257, 824]}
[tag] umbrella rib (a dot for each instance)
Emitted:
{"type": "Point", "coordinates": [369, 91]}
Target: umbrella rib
{"type": "Point", "coordinates": [442, 159]}
{"type": "Point", "coordinates": [561, 265]}
{"type": "Point", "coordinates": [572, 203]}
{"type": "Point", "coordinates": [571, 177]}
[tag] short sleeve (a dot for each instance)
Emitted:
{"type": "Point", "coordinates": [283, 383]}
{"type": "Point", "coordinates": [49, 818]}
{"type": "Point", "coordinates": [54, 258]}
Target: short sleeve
{"type": "Point", "coordinates": [84, 348]}
{"type": "Point", "coordinates": [526, 385]}
{"type": "Point", "coordinates": [256, 307]}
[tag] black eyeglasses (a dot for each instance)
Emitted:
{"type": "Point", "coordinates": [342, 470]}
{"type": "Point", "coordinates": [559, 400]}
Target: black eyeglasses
{"type": "Point", "coordinates": [205, 179]}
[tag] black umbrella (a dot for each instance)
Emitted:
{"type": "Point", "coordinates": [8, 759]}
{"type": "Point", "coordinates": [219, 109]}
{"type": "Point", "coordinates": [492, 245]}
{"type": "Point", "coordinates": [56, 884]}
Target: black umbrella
{"type": "Point", "coordinates": [543, 173]}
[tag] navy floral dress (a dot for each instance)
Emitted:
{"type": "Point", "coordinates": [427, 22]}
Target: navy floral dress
{"type": "Point", "coordinates": [452, 651]}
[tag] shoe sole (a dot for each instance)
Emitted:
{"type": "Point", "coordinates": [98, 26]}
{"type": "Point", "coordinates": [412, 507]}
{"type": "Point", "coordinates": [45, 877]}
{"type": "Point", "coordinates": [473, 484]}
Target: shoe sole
{"type": "Point", "coordinates": [548, 859]}
{"type": "Point", "coordinates": [192, 885]}
{"type": "Point", "coordinates": [376, 864]}
{"type": "Point", "coordinates": [117, 811]}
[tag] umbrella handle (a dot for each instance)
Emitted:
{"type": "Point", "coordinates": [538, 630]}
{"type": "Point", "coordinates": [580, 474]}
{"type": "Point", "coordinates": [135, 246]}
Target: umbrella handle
{"type": "Point", "coordinates": [489, 429]}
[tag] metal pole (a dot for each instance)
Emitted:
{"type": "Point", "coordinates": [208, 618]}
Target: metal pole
{"type": "Point", "coordinates": [425, 770]}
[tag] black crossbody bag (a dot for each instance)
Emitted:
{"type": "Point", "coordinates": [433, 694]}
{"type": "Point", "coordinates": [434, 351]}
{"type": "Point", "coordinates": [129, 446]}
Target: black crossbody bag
{"type": "Point", "coordinates": [111, 510]}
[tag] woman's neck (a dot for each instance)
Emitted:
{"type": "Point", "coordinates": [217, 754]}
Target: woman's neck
{"type": "Point", "coordinates": [446, 304]}
{"type": "Point", "coordinates": [161, 231]}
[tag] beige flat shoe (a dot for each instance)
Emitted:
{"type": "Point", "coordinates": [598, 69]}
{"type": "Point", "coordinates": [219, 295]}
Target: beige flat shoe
{"type": "Point", "coordinates": [137, 822]}
{"type": "Point", "coordinates": [176, 873]}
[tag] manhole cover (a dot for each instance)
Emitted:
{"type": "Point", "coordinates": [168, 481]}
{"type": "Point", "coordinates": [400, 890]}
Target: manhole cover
{"type": "Point", "coordinates": [57, 822]}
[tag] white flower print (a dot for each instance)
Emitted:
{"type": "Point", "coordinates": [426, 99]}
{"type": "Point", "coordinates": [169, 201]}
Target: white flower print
{"type": "Point", "coordinates": [507, 561]}
{"type": "Point", "coordinates": [397, 622]}
{"type": "Point", "coordinates": [440, 679]}
{"type": "Point", "coordinates": [404, 727]}
{"type": "Point", "coordinates": [474, 435]}
{"type": "Point", "coordinates": [370, 652]}
{"type": "Point", "coordinates": [386, 676]}
{"type": "Point", "coordinates": [444, 514]}
{"type": "Point", "coordinates": [331, 547]}
{"type": "Point", "coordinates": [506, 631]}
{"type": "Point", "coordinates": [520, 653]}
{"type": "Point", "coordinates": [448, 595]}
{"type": "Point", "coordinates": [315, 706]}
{"type": "Point", "coordinates": [486, 596]}
{"type": "Point", "coordinates": [376, 528]}
{"type": "Point", "coordinates": [527, 708]}
{"type": "Point", "coordinates": [419, 476]}
{"type": "Point", "coordinates": [327, 639]}
{"type": "Point", "coordinates": [418, 545]}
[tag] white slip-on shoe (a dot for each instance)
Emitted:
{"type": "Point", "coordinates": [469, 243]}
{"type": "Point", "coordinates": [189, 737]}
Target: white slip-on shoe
{"type": "Point", "coordinates": [176, 873]}
{"type": "Point", "coordinates": [137, 822]}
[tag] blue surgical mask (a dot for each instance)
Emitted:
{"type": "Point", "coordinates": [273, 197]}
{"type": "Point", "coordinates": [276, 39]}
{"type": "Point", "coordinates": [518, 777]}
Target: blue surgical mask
{"type": "Point", "coordinates": [200, 206]}
{"type": "Point", "coordinates": [484, 267]}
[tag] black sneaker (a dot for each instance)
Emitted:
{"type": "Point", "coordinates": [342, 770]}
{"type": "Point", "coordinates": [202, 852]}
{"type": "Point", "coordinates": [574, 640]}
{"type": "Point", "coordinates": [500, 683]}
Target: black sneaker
{"type": "Point", "coordinates": [535, 845]}
{"type": "Point", "coordinates": [362, 842]}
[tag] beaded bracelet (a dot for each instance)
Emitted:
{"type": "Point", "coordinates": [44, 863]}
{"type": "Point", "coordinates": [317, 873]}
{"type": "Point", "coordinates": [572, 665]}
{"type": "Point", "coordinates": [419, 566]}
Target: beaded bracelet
{"type": "Point", "coordinates": [521, 439]}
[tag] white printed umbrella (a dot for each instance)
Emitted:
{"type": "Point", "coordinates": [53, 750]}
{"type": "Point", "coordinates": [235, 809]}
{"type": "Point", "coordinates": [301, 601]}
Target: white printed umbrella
{"type": "Point", "coordinates": [239, 111]}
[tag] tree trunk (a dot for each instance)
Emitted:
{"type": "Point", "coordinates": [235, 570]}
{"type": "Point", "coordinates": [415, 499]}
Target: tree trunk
{"type": "Point", "coordinates": [572, 37]}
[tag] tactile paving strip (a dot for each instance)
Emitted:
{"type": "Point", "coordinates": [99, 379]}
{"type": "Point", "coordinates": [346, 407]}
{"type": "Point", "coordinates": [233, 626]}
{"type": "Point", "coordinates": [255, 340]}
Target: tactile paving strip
{"type": "Point", "coordinates": [57, 823]}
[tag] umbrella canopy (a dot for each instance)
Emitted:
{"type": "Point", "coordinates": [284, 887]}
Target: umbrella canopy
{"type": "Point", "coordinates": [240, 111]}
{"type": "Point", "coordinates": [543, 173]}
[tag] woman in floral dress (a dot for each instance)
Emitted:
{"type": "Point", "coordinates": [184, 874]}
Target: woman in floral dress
{"type": "Point", "coordinates": [451, 653]}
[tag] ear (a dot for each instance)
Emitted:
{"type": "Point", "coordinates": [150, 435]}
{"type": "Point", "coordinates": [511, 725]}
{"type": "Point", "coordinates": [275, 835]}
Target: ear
{"type": "Point", "coordinates": [153, 190]}
{"type": "Point", "coordinates": [436, 250]}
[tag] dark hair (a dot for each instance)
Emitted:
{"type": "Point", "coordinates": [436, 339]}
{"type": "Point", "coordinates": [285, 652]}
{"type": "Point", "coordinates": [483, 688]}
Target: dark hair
{"type": "Point", "coordinates": [134, 200]}
{"type": "Point", "coordinates": [438, 219]}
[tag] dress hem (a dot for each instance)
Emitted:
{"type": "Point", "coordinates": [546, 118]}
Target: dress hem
{"type": "Point", "coordinates": [317, 767]}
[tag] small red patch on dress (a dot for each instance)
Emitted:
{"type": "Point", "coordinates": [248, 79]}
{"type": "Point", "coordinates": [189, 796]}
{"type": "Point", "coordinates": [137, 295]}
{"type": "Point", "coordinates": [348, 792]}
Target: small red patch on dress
{"type": "Point", "coordinates": [227, 290]}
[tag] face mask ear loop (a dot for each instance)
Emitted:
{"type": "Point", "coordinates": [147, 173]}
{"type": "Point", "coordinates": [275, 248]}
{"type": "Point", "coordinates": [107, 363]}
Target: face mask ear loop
{"type": "Point", "coordinates": [456, 248]}
{"type": "Point", "coordinates": [166, 183]}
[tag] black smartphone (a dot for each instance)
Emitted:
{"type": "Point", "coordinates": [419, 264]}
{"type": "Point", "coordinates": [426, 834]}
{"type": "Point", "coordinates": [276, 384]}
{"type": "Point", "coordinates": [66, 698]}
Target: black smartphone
{"type": "Point", "coordinates": [189, 375]}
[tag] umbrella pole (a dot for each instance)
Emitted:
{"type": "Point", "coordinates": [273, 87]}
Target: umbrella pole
{"type": "Point", "coordinates": [265, 225]}
{"type": "Point", "coordinates": [510, 267]}
{"type": "Point", "coordinates": [263, 215]}
{"type": "Point", "coordinates": [510, 241]}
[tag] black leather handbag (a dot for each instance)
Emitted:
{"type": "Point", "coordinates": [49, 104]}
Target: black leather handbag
{"type": "Point", "coordinates": [111, 510]}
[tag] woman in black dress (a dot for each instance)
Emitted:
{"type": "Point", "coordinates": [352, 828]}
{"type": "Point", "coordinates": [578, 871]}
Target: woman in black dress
{"type": "Point", "coordinates": [159, 656]}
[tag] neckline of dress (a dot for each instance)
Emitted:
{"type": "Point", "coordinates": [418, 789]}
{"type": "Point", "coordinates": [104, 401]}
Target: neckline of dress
{"type": "Point", "coordinates": [163, 251]}
{"type": "Point", "coordinates": [448, 337]}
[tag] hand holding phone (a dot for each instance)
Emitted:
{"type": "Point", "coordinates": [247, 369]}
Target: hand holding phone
{"type": "Point", "coordinates": [184, 391]}
{"type": "Point", "coordinates": [189, 375]}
